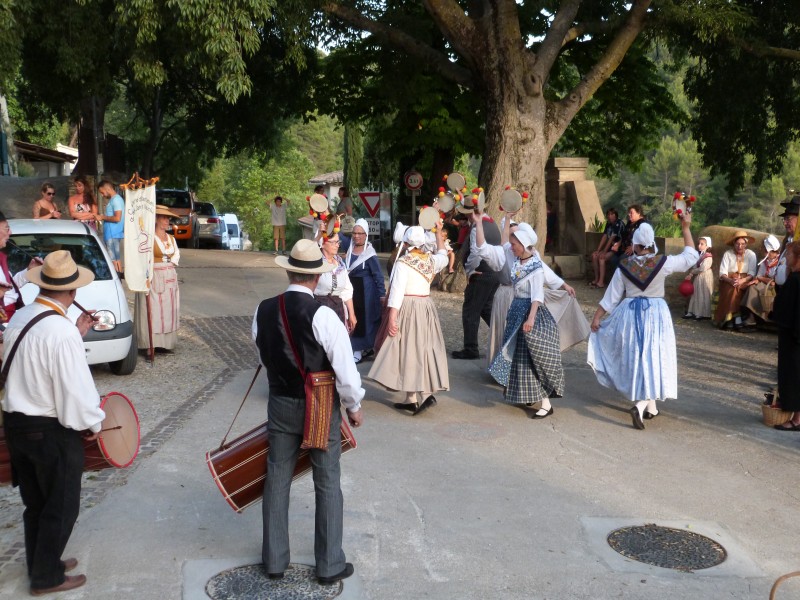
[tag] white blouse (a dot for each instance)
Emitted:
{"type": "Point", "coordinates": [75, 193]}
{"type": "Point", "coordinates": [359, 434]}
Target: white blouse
{"type": "Point", "coordinates": [728, 264]}
{"type": "Point", "coordinates": [409, 282]}
{"type": "Point", "coordinates": [621, 287]}
{"type": "Point", "coordinates": [169, 249]}
{"type": "Point", "coordinates": [343, 288]}
{"type": "Point", "coordinates": [501, 257]}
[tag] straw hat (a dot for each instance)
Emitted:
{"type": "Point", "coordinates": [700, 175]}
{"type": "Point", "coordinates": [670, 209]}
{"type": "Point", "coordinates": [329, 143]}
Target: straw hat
{"type": "Point", "coordinates": [305, 257]}
{"type": "Point", "coordinates": [741, 233]}
{"type": "Point", "coordinates": [164, 211]}
{"type": "Point", "coordinates": [59, 272]}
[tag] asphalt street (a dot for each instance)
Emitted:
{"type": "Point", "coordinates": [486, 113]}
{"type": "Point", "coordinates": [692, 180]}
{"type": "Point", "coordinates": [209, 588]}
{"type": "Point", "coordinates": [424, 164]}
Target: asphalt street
{"type": "Point", "coordinates": [470, 500]}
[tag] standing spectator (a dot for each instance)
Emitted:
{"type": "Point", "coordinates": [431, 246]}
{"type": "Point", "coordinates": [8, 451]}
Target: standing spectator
{"type": "Point", "coordinates": [45, 207]}
{"type": "Point", "coordinates": [47, 415]}
{"type": "Point", "coordinates": [702, 277]}
{"type": "Point", "coordinates": [633, 351]}
{"type": "Point", "coordinates": [83, 205]}
{"type": "Point", "coordinates": [279, 223]}
{"type": "Point", "coordinates": [786, 314]}
{"type": "Point", "coordinates": [789, 216]}
{"type": "Point", "coordinates": [369, 291]}
{"type": "Point", "coordinates": [345, 206]}
{"type": "Point", "coordinates": [624, 247]}
{"type": "Point", "coordinates": [482, 283]}
{"type": "Point", "coordinates": [322, 343]}
{"type": "Point", "coordinates": [736, 271]}
{"type": "Point", "coordinates": [113, 225]}
{"type": "Point", "coordinates": [611, 234]}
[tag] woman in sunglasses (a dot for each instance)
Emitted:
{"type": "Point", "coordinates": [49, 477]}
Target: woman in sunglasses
{"type": "Point", "coordinates": [45, 207]}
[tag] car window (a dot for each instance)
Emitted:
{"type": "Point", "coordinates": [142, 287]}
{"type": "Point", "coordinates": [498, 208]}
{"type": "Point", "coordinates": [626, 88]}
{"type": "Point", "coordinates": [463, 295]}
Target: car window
{"type": "Point", "coordinates": [206, 209]}
{"type": "Point", "coordinates": [233, 230]}
{"type": "Point", "coordinates": [176, 199]}
{"type": "Point", "coordinates": [85, 251]}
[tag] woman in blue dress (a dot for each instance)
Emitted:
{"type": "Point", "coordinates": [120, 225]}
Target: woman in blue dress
{"type": "Point", "coordinates": [529, 362]}
{"type": "Point", "coordinates": [368, 290]}
{"type": "Point", "coordinates": [633, 350]}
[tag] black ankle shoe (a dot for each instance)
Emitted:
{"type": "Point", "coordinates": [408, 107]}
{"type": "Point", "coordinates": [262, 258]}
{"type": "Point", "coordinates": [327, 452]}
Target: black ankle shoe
{"type": "Point", "coordinates": [344, 574]}
{"type": "Point", "coordinates": [466, 354]}
{"type": "Point", "coordinates": [409, 406]}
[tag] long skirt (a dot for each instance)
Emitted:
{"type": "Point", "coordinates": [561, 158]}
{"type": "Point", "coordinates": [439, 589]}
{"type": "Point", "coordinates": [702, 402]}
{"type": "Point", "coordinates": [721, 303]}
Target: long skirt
{"type": "Point", "coordinates": [529, 364]}
{"type": "Point", "coordinates": [165, 302]}
{"type": "Point", "coordinates": [753, 300]}
{"type": "Point", "coordinates": [572, 324]}
{"type": "Point", "coordinates": [728, 307]}
{"type": "Point", "coordinates": [367, 306]}
{"type": "Point", "coordinates": [634, 350]}
{"type": "Point", "coordinates": [700, 302]}
{"type": "Point", "coordinates": [414, 360]}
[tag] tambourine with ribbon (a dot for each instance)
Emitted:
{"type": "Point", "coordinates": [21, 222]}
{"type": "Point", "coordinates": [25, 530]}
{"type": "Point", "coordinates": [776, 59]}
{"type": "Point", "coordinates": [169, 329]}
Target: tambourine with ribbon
{"type": "Point", "coordinates": [318, 205]}
{"type": "Point", "coordinates": [428, 218]}
{"type": "Point", "coordinates": [472, 202]}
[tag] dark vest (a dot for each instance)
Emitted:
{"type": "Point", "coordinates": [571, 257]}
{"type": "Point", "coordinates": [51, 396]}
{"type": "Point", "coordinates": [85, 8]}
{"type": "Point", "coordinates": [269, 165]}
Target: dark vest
{"type": "Point", "coordinates": [491, 233]}
{"type": "Point", "coordinates": [273, 343]}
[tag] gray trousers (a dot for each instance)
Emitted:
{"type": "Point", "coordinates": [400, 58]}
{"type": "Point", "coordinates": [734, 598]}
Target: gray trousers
{"type": "Point", "coordinates": [285, 430]}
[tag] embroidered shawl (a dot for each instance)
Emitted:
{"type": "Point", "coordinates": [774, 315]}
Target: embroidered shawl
{"type": "Point", "coordinates": [422, 263]}
{"type": "Point", "coordinates": [642, 272]}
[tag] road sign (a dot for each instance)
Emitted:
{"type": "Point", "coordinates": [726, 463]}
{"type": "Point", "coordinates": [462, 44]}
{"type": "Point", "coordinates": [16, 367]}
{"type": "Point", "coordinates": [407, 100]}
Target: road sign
{"type": "Point", "coordinates": [372, 202]}
{"type": "Point", "coordinates": [374, 226]}
{"type": "Point", "coordinates": [413, 180]}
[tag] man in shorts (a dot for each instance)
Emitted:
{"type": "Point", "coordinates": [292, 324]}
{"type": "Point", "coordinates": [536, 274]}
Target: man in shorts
{"type": "Point", "coordinates": [279, 224]}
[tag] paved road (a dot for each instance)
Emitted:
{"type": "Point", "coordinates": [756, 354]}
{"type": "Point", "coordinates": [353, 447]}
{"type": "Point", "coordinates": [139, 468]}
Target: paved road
{"type": "Point", "coordinates": [471, 500]}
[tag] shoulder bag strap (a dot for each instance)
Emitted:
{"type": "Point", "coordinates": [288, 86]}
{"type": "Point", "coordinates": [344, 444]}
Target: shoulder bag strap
{"type": "Point", "coordinates": [13, 351]}
{"type": "Point", "coordinates": [282, 305]}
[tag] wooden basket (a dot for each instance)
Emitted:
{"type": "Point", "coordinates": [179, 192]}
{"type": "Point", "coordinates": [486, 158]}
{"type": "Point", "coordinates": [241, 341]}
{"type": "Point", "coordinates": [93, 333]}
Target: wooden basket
{"type": "Point", "coordinates": [767, 299]}
{"type": "Point", "coordinates": [773, 413]}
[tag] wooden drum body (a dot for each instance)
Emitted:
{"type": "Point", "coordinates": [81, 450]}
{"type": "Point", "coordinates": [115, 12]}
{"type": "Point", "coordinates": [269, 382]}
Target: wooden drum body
{"type": "Point", "coordinates": [240, 467]}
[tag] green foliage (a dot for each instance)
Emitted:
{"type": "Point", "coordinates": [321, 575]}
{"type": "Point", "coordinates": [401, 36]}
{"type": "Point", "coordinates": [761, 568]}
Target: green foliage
{"type": "Point", "coordinates": [33, 121]}
{"type": "Point", "coordinates": [320, 140]}
{"type": "Point", "coordinates": [597, 224]}
{"type": "Point", "coordinates": [353, 155]}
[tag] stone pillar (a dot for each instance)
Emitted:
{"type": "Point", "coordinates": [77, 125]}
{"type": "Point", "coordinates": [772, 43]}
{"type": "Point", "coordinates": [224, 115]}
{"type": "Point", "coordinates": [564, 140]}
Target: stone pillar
{"type": "Point", "coordinates": [575, 201]}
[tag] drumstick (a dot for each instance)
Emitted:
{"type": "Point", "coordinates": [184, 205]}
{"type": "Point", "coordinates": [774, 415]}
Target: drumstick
{"type": "Point", "coordinates": [86, 312]}
{"type": "Point", "coordinates": [110, 429]}
{"type": "Point", "coordinates": [28, 254]}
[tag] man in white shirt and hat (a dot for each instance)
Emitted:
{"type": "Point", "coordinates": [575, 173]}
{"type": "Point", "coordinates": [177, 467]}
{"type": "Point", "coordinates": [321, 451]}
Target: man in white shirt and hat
{"type": "Point", "coordinates": [320, 341]}
{"type": "Point", "coordinates": [50, 404]}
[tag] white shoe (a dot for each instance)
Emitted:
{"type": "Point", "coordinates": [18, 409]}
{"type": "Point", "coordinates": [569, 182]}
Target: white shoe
{"type": "Point", "coordinates": [357, 356]}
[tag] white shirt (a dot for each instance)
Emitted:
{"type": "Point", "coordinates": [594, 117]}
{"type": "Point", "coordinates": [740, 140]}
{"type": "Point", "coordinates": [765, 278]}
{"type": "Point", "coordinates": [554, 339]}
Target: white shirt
{"type": "Point", "coordinates": [330, 333]}
{"type": "Point", "coordinates": [501, 257]}
{"type": "Point", "coordinates": [728, 264]}
{"type": "Point", "coordinates": [781, 273]}
{"type": "Point", "coordinates": [409, 282]}
{"type": "Point", "coordinates": [621, 287]}
{"type": "Point", "coordinates": [49, 375]}
{"type": "Point", "coordinates": [169, 249]}
{"type": "Point", "coordinates": [343, 289]}
{"type": "Point", "coordinates": [21, 278]}
{"type": "Point", "coordinates": [278, 215]}
{"type": "Point", "coordinates": [473, 260]}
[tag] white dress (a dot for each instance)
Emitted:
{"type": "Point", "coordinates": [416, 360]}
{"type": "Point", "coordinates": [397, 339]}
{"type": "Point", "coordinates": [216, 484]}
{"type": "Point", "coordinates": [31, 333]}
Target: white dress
{"type": "Point", "coordinates": [634, 351]}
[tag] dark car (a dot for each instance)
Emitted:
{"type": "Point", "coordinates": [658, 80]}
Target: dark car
{"type": "Point", "coordinates": [185, 227]}
{"type": "Point", "coordinates": [212, 228]}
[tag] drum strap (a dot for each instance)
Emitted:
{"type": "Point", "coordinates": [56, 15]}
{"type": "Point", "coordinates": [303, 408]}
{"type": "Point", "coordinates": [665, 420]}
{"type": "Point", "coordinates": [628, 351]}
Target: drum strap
{"type": "Point", "coordinates": [252, 383]}
{"type": "Point", "coordinates": [13, 351]}
{"type": "Point", "coordinates": [320, 395]}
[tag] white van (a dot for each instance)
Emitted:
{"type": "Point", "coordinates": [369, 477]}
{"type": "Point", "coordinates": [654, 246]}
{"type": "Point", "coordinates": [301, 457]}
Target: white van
{"type": "Point", "coordinates": [234, 231]}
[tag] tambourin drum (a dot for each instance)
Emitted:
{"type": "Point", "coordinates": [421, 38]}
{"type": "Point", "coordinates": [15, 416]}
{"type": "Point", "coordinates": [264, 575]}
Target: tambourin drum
{"type": "Point", "coordinates": [118, 442]}
{"type": "Point", "coordinates": [511, 201]}
{"type": "Point", "coordinates": [318, 202]}
{"type": "Point", "coordinates": [456, 181]}
{"type": "Point", "coordinates": [446, 203]}
{"type": "Point", "coordinates": [428, 217]}
{"type": "Point", "coordinates": [116, 446]}
{"type": "Point", "coordinates": [240, 467]}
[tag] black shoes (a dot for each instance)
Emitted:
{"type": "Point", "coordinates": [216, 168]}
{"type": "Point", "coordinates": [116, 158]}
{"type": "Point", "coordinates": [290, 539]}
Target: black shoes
{"type": "Point", "coordinates": [466, 354]}
{"type": "Point", "coordinates": [275, 575]}
{"type": "Point", "coordinates": [648, 415]}
{"type": "Point", "coordinates": [427, 403]}
{"type": "Point", "coordinates": [346, 572]}
{"type": "Point", "coordinates": [409, 406]}
{"type": "Point", "coordinates": [549, 412]}
{"type": "Point", "coordinates": [636, 418]}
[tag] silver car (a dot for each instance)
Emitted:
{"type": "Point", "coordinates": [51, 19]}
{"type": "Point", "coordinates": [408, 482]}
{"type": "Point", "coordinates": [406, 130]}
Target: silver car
{"type": "Point", "coordinates": [212, 228]}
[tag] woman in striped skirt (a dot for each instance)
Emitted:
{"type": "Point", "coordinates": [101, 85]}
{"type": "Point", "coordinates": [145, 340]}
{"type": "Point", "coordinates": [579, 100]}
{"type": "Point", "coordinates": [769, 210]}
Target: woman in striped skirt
{"type": "Point", "coordinates": [529, 362]}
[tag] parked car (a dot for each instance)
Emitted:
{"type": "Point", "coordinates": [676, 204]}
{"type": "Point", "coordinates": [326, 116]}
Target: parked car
{"type": "Point", "coordinates": [113, 338]}
{"type": "Point", "coordinates": [185, 228]}
{"type": "Point", "coordinates": [212, 227]}
{"type": "Point", "coordinates": [234, 231]}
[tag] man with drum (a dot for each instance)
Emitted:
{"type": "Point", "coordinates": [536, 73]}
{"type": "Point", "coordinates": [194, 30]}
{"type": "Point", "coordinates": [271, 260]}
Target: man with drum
{"type": "Point", "coordinates": [319, 343]}
{"type": "Point", "coordinates": [50, 402]}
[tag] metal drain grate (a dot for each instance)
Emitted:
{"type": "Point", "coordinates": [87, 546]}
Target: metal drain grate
{"type": "Point", "coordinates": [667, 547]}
{"type": "Point", "coordinates": [250, 582]}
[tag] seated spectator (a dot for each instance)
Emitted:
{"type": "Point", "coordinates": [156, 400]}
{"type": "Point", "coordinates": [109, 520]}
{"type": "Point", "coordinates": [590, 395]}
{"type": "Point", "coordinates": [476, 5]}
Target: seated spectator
{"type": "Point", "coordinates": [612, 233]}
{"type": "Point", "coordinates": [624, 247]}
{"type": "Point", "coordinates": [736, 271]}
{"type": "Point", "coordinates": [702, 277]}
{"type": "Point", "coordinates": [754, 305]}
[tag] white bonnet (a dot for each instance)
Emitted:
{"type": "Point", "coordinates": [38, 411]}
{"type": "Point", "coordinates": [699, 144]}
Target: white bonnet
{"type": "Point", "coordinates": [415, 236]}
{"type": "Point", "coordinates": [645, 237]}
{"type": "Point", "coordinates": [708, 241]}
{"type": "Point", "coordinates": [363, 224]}
{"type": "Point", "coordinates": [772, 244]}
{"type": "Point", "coordinates": [526, 235]}
{"type": "Point", "coordinates": [399, 232]}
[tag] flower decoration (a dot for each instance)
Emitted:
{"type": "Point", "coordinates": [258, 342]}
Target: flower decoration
{"type": "Point", "coordinates": [441, 192]}
{"type": "Point", "coordinates": [681, 203]}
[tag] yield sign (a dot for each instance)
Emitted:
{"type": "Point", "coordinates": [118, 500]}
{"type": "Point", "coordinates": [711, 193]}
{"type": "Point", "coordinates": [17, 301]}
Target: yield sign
{"type": "Point", "coordinates": [372, 201]}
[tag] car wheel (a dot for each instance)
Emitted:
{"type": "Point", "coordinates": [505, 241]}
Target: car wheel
{"type": "Point", "coordinates": [127, 365]}
{"type": "Point", "coordinates": [195, 239]}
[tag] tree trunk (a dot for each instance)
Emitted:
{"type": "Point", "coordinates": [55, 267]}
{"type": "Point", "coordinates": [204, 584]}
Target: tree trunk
{"type": "Point", "coordinates": [92, 115]}
{"type": "Point", "coordinates": [155, 121]}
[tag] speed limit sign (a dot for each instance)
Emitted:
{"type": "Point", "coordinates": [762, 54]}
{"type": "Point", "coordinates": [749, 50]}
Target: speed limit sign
{"type": "Point", "coordinates": [413, 180]}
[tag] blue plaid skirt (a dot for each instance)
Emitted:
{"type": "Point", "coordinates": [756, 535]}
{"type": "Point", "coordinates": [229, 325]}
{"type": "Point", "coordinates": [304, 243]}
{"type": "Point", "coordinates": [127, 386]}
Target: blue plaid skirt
{"type": "Point", "coordinates": [529, 364]}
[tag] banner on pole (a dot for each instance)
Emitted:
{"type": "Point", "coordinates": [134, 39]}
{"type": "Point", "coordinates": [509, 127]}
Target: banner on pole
{"type": "Point", "coordinates": [140, 226]}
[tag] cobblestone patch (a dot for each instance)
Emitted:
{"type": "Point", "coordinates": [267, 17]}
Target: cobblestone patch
{"type": "Point", "coordinates": [209, 354]}
{"type": "Point", "coordinates": [251, 583]}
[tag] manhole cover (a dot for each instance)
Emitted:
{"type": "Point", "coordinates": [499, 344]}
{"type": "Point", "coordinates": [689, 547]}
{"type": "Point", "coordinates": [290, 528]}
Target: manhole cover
{"type": "Point", "coordinates": [250, 582]}
{"type": "Point", "coordinates": [667, 547]}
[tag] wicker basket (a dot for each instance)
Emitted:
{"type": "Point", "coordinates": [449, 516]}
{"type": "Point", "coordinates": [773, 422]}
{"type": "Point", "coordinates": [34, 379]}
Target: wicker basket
{"type": "Point", "coordinates": [767, 298]}
{"type": "Point", "coordinates": [773, 413]}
